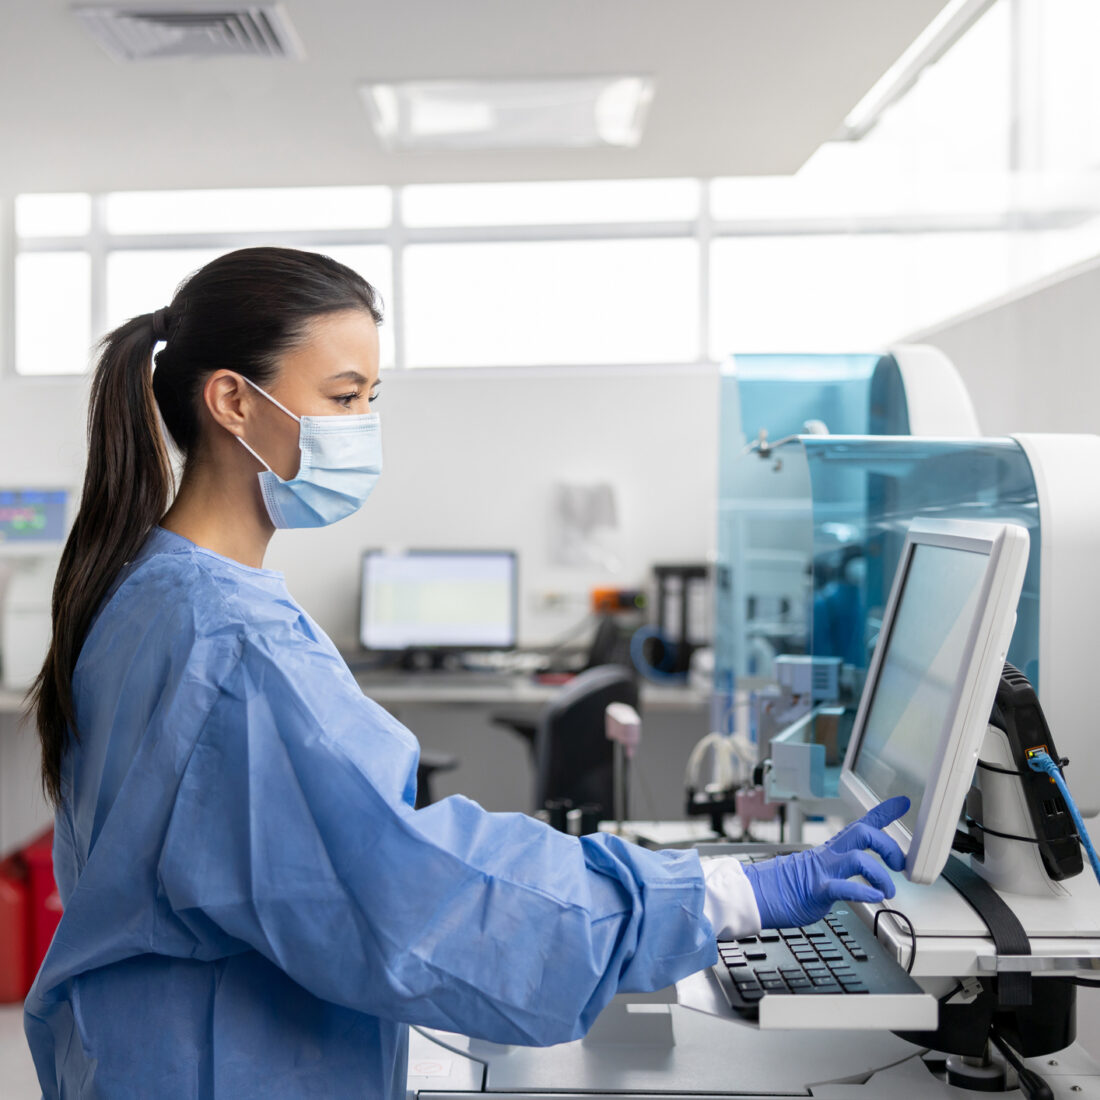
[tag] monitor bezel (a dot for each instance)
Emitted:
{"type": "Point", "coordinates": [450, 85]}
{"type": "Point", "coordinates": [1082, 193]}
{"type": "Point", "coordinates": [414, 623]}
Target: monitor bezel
{"type": "Point", "coordinates": [1005, 546]}
{"type": "Point", "coordinates": [418, 552]}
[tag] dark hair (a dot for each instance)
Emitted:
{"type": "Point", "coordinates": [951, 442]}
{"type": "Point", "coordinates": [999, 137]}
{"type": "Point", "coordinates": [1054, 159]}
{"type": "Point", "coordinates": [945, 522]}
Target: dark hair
{"type": "Point", "coordinates": [241, 312]}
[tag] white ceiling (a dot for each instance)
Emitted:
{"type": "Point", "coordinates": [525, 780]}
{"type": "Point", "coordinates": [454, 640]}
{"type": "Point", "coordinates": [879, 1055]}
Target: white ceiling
{"type": "Point", "coordinates": [742, 87]}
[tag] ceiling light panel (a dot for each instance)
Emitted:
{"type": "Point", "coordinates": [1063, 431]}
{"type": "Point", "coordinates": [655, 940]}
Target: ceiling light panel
{"type": "Point", "coordinates": [585, 112]}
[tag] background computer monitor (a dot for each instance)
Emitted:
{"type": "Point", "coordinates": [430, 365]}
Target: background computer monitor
{"type": "Point", "coordinates": [441, 600]}
{"type": "Point", "coordinates": [32, 521]}
{"type": "Point", "coordinates": [930, 688]}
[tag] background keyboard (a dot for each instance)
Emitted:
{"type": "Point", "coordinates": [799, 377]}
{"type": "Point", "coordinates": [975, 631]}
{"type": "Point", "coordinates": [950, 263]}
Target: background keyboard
{"type": "Point", "coordinates": [837, 956]}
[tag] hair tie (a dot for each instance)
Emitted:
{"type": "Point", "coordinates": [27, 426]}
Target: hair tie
{"type": "Point", "coordinates": [161, 320]}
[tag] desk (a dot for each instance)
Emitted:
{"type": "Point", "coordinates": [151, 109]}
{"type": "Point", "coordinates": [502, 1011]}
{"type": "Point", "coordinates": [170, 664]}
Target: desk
{"type": "Point", "coordinates": [452, 712]}
{"type": "Point", "coordinates": [501, 689]}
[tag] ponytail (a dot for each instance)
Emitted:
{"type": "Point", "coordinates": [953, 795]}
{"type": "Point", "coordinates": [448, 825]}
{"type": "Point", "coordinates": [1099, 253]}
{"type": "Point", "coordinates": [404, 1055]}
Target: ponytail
{"type": "Point", "coordinates": [241, 312]}
{"type": "Point", "coordinates": [126, 487]}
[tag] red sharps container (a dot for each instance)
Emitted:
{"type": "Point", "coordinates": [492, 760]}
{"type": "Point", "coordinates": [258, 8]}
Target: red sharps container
{"type": "Point", "coordinates": [44, 903]}
{"type": "Point", "coordinates": [15, 978]}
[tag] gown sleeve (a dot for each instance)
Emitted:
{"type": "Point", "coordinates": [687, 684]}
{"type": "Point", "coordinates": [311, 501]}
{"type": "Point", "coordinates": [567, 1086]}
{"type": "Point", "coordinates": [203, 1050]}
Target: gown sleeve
{"type": "Point", "coordinates": [293, 833]}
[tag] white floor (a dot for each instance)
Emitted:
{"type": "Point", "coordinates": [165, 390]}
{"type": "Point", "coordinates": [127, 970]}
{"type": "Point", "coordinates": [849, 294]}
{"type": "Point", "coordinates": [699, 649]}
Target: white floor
{"type": "Point", "coordinates": [17, 1079]}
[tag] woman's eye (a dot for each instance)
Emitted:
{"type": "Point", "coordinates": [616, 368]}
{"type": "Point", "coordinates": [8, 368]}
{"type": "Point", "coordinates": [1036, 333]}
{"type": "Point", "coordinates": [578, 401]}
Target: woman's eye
{"type": "Point", "coordinates": [346, 399]}
{"type": "Point", "coordinates": [373, 397]}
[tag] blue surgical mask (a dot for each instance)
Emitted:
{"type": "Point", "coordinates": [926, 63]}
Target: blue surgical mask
{"type": "Point", "coordinates": [341, 461]}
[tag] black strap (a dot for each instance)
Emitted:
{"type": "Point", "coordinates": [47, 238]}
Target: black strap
{"type": "Point", "coordinates": [1009, 937]}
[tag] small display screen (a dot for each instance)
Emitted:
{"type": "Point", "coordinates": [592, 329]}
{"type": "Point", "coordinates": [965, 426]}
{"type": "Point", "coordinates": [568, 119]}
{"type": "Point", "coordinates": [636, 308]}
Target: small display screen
{"type": "Point", "coordinates": [919, 674]}
{"type": "Point", "coordinates": [32, 516]}
{"type": "Point", "coordinates": [439, 600]}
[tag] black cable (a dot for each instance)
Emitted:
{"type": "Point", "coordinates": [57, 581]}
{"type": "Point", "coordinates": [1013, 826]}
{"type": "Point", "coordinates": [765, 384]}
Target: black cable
{"type": "Point", "coordinates": [1091, 983]}
{"type": "Point", "coordinates": [912, 934]}
{"type": "Point", "coordinates": [1005, 836]}
{"type": "Point", "coordinates": [1031, 1084]}
{"type": "Point", "coordinates": [997, 768]}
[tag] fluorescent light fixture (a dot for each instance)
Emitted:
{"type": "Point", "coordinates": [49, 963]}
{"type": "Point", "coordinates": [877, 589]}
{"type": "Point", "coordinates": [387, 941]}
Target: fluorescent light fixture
{"type": "Point", "coordinates": [953, 21]}
{"type": "Point", "coordinates": [578, 113]}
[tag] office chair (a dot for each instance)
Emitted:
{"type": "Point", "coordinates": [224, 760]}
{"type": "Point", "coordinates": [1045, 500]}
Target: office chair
{"type": "Point", "coordinates": [429, 763]}
{"type": "Point", "coordinates": [573, 758]}
{"type": "Point", "coordinates": [610, 646]}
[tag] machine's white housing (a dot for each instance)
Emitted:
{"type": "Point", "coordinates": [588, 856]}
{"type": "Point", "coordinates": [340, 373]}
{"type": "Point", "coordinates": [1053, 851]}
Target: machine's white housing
{"type": "Point", "coordinates": [953, 749]}
{"type": "Point", "coordinates": [936, 399]}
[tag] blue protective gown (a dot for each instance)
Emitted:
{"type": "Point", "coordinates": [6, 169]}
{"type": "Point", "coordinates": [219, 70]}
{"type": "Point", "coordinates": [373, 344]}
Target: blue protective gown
{"type": "Point", "coordinates": [253, 908]}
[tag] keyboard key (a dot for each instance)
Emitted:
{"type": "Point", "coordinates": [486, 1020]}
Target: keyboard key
{"type": "Point", "coordinates": [754, 954]}
{"type": "Point", "coordinates": [752, 994]}
{"type": "Point", "coordinates": [791, 933]}
{"type": "Point", "coordinates": [799, 983]}
{"type": "Point", "coordinates": [769, 936]}
{"type": "Point", "coordinates": [859, 954]}
{"type": "Point", "coordinates": [747, 939]}
{"type": "Point", "coordinates": [768, 973]}
{"type": "Point", "coordinates": [774, 985]}
{"type": "Point", "coordinates": [738, 965]}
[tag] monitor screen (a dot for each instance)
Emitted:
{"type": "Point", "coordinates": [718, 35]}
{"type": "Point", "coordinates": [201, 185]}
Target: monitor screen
{"type": "Point", "coordinates": [930, 688]}
{"type": "Point", "coordinates": [32, 517]}
{"type": "Point", "coordinates": [426, 599]}
{"type": "Point", "coordinates": [916, 683]}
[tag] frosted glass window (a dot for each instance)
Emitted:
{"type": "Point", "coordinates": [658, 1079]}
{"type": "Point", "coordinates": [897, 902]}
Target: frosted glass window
{"type": "Point", "coordinates": [238, 211]}
{"type": "Point", "coordinates": [67, 215]}
{"type": "Point", "coordinates": [1064, 59]}
{"type": "Point", "coordinates": [53, 324]}
{"type": "Point", "coordinates": [848, 293]}
{"type": "Point", "coordinates": [568, 202]}
{"type": "Point", "coordinates": [142, 281]}
{"type": "Point", "coordinates": [560, 302]}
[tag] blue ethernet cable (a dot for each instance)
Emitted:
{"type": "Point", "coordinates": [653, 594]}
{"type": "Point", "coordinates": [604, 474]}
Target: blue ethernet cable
{"type": "Point", "coordinates": [1039, 760]}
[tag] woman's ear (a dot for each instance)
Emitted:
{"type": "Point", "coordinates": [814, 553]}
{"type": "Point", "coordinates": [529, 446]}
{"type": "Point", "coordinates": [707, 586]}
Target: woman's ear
{"type": "Point", "coordinates": [226, 397]}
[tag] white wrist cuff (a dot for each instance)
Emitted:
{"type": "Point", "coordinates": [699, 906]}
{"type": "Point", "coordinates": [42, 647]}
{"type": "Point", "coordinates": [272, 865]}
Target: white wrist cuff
{"type": "Point", "coordinates": [730, 904]}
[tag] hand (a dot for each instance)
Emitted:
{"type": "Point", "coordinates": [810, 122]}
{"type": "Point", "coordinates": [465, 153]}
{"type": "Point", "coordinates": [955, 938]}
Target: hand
{"type": "Point", "coordinates": [798, 889]}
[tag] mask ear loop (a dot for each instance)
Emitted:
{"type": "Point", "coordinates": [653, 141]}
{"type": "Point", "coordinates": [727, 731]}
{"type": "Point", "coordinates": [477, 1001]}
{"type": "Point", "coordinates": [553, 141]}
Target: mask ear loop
{"type": "Point", "coordinates": [278, 405]}
{"type": "Point", "coordinates": [255, 455]}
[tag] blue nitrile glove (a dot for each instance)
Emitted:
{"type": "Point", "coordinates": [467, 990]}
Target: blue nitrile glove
{"type": "Point", "coordinates": [800, 888]}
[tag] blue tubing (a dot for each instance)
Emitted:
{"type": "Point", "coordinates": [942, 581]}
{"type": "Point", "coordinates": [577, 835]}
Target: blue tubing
{"type": "Point", "coordinates": [1041, 762]}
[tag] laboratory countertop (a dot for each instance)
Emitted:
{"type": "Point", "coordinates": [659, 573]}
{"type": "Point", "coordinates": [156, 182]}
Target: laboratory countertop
{"type": "Point", "coordinates": [11, 702]}
{"type": "Point", "coordinates": [501, 689]}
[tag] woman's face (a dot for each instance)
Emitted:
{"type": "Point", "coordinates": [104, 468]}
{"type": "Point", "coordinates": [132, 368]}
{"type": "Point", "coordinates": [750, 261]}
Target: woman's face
{"type": "Point", "coordinates": [334, 372]}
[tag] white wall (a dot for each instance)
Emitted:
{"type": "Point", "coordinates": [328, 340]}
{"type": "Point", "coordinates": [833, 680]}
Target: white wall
{"type": "Point", "coordinates": [470, 461]}
{"type": "Point", "coordinates": [1031, 361]}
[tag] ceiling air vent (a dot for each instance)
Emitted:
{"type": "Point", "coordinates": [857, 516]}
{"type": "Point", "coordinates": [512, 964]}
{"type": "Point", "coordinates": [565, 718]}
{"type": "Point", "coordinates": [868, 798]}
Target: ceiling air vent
{"type": "Point", "coordinates": [144, 32]}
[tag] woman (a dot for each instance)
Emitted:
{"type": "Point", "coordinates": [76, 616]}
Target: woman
{"type": "Point", "coordinates": [252, 907]}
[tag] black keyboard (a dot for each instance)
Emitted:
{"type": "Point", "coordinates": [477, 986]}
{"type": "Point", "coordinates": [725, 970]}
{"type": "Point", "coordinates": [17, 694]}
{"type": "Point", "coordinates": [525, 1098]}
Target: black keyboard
{"type": "Point", "coordinates": [838, 955]}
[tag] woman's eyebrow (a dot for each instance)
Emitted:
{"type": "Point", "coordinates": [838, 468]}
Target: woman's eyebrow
{"type": "Point", "coordinates": [350, 375]}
